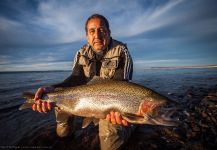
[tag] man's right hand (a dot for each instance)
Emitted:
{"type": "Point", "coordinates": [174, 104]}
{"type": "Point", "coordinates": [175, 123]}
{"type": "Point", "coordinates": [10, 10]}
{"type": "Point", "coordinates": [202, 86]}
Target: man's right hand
{"type": "Point", "coordinates": [42, 106]}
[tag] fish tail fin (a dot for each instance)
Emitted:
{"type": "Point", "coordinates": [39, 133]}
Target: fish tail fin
{"type": "Point", "coordinates": [29, 100]}
{"type": "Point", "coordinates": [25, 106]}
{"type": "Point", "coordinates": [28, 95]}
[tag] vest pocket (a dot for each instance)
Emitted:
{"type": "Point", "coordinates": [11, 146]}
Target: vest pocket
{"type": "Point", "coordinates": [108, 68]}
{"type": "Point", "coordinates": [84, 61]}
{"type": "Point", "coordinates": [88, 66]}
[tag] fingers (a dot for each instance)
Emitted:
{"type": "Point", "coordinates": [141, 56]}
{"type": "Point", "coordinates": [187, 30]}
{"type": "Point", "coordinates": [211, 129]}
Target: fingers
{"type": "Point", "coordinates": [38, 106]}
{"type": "Point", "coordinates": [125, 123]}
{"type": "Point", "coordinates": [34, 107]}
{"type": "Point", "coordinates": [108, 117]}
{"type": "Point", "coordinates": [38, 93]}
{"type": "Point", "coordinates": [115, 118]}
{"type": "Point", "coordinates": [118, 118]}
{"type": "Point", "coordinates": [42, 107]}
{"type": "Point", "coordinates": [49, 106]}
{"type": "Point", "coordinates": [42, 90]}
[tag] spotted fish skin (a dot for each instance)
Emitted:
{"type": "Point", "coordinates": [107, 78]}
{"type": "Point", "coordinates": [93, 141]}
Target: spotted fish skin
{"type": "Point", "coordinates": [136, 103]}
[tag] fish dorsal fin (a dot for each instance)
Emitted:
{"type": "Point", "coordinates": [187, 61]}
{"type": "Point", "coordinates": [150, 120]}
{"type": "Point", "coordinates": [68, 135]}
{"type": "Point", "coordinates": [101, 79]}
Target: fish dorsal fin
{"type": "Point", "coordinates": [97, 79]}
{"type": "Point", "coordinates": [87, 121]}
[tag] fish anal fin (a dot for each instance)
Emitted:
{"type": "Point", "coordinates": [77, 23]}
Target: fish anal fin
{"type": "Point", "coordinates": [87, 121]}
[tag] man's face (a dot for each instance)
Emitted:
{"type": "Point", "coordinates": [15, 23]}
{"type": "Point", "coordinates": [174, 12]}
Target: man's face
{"type": "Point", "coordinates": [98, 36]}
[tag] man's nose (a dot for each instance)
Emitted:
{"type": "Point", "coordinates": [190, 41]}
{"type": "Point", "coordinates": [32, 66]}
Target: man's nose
{"type": "Point", "coordinates": [98, 34]}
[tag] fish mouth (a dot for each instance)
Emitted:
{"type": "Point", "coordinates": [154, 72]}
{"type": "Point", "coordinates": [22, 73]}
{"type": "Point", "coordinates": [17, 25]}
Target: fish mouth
{"type": "Point", "coordinates": [163, 116]}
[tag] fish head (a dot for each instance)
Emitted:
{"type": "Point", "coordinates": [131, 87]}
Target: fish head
{"type": "Point", "coordinates": [159, 112]}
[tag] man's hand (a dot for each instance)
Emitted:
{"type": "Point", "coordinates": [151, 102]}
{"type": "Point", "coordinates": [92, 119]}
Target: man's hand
{"type": "Point", "coordinates": [42, 106]}
{"type": "Point", "coordinates": [115, 118]}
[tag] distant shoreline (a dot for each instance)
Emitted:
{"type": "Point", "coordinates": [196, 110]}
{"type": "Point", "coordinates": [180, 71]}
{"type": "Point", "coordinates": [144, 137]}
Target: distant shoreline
{"type": "Point", "coordinates": [35, 71]}
{"type": "Point", "coordinates": [186, 67]}
{"type": "Point", "coordinates": [154, 68]}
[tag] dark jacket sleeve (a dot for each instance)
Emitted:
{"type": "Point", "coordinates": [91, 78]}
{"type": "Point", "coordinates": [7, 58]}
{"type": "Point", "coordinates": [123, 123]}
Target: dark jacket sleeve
{"type": "Point", "coordinates": [77, 76]}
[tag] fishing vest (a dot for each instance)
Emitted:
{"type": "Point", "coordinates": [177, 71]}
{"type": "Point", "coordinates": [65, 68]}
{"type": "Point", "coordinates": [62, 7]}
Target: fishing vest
{"type": "Point", "coordinates": [110, 60]}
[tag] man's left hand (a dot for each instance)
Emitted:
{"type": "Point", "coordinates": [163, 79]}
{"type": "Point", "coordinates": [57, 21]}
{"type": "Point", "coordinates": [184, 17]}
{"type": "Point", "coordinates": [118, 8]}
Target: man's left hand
{"type": "Point", "coordinates": [115, 118]}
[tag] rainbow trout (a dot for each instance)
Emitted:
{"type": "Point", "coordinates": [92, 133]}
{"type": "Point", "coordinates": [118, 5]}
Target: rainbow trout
{"type": "Point", "coordinates": [136, 104]}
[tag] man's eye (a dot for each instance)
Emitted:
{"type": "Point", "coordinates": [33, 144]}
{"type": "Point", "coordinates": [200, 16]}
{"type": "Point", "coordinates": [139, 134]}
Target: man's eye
{"type": "Point", "coordinates": [91, 31]}
{"type": "Point", "coordinates": [102, 30]}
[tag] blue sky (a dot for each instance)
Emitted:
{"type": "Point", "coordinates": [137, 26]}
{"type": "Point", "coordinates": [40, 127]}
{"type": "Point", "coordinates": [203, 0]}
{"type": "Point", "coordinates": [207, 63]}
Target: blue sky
{"type": "Point", "coordinates": [45, 34]}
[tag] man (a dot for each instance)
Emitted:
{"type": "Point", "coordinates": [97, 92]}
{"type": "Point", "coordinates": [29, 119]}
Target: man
{"type": "Point", "coordinates": [101, 56]}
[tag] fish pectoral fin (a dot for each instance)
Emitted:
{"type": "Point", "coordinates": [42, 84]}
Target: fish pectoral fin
{"type": "Point", "coordinates": [87, 121]}
{"type": "Point", "coordinates": [132, 118]}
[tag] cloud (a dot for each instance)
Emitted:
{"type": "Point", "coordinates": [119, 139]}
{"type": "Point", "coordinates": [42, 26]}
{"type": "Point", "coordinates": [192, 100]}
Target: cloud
{"type": "Point", "coordinates": [56, 21]}
{"type": "Point", "coordinates": [37, 33]}
{"type": "Point", "coordinates": [4, 60]}
{"type": "Point", "coordinates": [62, 22]}
{"type": "Point", "coordinates": [152, 18]}
{"type": "Point", "coordinates": [18, 33]}
{"type": "Point", "coordinates": [37, 58]}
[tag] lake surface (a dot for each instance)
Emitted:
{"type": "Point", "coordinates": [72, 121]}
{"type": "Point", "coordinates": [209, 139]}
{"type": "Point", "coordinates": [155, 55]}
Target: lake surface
{"type": "Point", "coordinates": [16, 125]}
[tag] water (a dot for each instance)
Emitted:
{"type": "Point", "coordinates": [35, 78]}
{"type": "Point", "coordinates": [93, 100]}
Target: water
{"type": "Point", "coordinates": [16, 125]}
{"type": "Point", "coordinates": [177, 81]}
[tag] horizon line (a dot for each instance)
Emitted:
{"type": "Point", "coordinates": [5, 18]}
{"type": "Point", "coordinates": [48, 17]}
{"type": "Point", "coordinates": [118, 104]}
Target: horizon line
{"type": "Point", "coordinates": [185, 67]}
{"type": "Point", "coordinates": [159, 67]}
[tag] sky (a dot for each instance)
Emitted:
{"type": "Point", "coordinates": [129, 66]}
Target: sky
{"type": "Point", "coordinates": [39, 35]}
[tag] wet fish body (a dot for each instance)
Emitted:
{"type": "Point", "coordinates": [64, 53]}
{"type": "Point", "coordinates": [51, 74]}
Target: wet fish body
{"type": "Point", "coordinates": [136, 103]}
